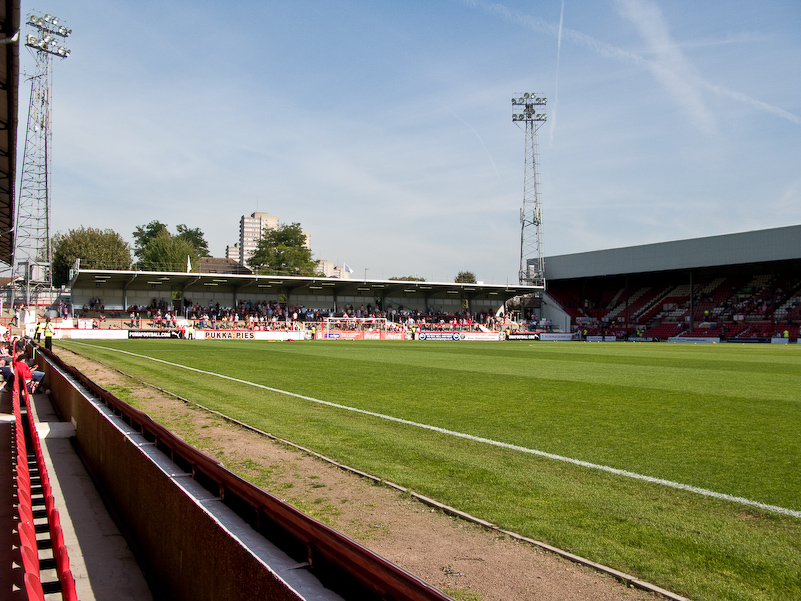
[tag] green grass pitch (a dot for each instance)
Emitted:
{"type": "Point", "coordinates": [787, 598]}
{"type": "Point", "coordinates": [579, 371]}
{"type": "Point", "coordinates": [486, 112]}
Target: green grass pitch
{"type": "Point", "coordinates": [724, 418]}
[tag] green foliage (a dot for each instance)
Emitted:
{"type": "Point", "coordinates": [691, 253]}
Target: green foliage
{"type": "Point", "coordinates": [97, 249]}
{"type": "Point", "coordinates": [283, 251]}
{"type": "Point", "coordinates": [465, 277]}
{"type": "Point", "coordinates": [719, 417]}
{"type": "Point", "coordinates": [158, 250]}
{"type": "Point", "coordinates": [143, 234]}
{"type": "Point", "coordinates": [165, 252]}
{"type": "Point", "coordinates": [407, 278]}
{"type": "Point", "coordinates": [195, 237]}
{"type": "Point", "coordinates": [461, 595]}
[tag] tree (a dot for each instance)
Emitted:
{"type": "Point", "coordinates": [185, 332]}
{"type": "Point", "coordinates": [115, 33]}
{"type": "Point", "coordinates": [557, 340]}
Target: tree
{"type": "Point", "coordinates": [196, 238]}
{"type": "Point", "coordinates": [143, 234]}
{"type": "Point", "coordinates": [283, 251]}
{"type": "Point", "coordinates": [465, 277]}
{"type": "Point", "coordinates": [97, 249]}
{"type": "Point", "coordinates": [407, 278]}
{"type": "Point", "coordinates": [158, 250]}
{"type": "Point", "coordinates": [166, 252]}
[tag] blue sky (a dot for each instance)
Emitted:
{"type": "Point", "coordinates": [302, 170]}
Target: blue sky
{"type": "Point", "coordinates": [385, 129]}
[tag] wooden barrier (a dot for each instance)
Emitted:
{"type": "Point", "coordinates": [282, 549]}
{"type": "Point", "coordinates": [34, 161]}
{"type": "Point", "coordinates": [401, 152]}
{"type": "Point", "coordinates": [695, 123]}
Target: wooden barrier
{"type": "Point", "coordinates": [201, 532]}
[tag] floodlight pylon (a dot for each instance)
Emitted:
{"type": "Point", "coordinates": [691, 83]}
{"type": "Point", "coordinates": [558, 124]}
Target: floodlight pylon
{"type": "Point", "coordinates": [32, 262]}
{"type": "Point", "coordinates": [528, 113]}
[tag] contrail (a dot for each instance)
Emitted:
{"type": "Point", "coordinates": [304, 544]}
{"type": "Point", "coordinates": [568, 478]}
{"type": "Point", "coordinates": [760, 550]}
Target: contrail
{"type": "Point", "coordinates": [660, 71]}
{"type": "Point", "coordinates": [669, 66]}
{"type": "Point", "coordinates": [552, 128]}
{"type": "Point", "coordinates": [498, 175]}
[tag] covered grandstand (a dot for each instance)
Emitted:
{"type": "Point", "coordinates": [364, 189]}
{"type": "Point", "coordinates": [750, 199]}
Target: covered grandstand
{"type": "Point", "coordinates": [122, 290]}
{"type": "Point", "coordinates": [735, 287]}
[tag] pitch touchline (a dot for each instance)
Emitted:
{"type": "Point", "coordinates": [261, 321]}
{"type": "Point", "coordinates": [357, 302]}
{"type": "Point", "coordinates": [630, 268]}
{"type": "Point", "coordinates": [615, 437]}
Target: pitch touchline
{"type": "Point", "coordinates": [489, 441]}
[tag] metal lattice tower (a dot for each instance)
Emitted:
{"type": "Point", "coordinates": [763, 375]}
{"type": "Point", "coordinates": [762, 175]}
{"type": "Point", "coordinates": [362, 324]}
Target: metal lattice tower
{"type": "Point", "coordinates": [532, 265]}
{"type": "Point", "coordinates": [32, 253]}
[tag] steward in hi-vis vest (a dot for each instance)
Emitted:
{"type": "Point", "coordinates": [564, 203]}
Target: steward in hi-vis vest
{"type": "Point", "coordinates": [48, 334]}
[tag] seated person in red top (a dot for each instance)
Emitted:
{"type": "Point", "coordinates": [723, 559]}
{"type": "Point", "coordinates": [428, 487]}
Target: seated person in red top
{"type": "Point", "coordinates": [23, 370]}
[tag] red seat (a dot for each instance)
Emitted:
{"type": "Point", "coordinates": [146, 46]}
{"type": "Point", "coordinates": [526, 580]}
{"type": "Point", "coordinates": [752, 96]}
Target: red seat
{"type": "Point", "coordinates": [47, 490]}
{"type": "Point", "coordinates": [53, 518]}
{"type": "Point", "coordinates": [27, 536]}
{"type": "Point", "coordinates": [62, 560]}
{"type": "Point", "coordinates": [30, 560]}
{"type": "Point", "coordinates": [22, 449]}
{"type": "Point", "coordinates": [68, 592]}
{"type": "Point", "coordinates": [24, 478]}
{"type": "Point", "coordinates": [57, 537]}
{"type": "Point", "coordinates": [44, 477]}
{"type": "Point", "coordinates": [33, 587]}
{"type": "Point", "coordinates": [50, 504]}
{"type": "Point", "coordinates": [37, 447]}
{"type": "Point", "coordinates": [24, 495]}
{"type": "Point", "coordinates": [25, 512]}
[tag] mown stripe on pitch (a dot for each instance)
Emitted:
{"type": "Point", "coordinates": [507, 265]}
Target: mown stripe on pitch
{"type": "Point", "coordinates": [594, 466]}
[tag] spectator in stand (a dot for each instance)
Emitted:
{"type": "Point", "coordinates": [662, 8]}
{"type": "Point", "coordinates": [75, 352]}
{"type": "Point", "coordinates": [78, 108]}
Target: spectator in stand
{"type": "Point", "coordinates": [7, 372]}
{"type": "Point", "coordinates": [32, 379]}
{"type": "Point", "coordinates": [6, 363]}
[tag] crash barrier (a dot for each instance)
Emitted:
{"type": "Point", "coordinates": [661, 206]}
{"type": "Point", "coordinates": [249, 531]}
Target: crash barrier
{"type": "Point", "coordinates": [36, 509]}
{"type": "Point", "coordinates": [163, 492]}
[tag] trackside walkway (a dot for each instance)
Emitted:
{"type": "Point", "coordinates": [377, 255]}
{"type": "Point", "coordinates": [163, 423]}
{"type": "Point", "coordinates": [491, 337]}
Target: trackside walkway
{"type": "Point", "coordinates": [101, 562]}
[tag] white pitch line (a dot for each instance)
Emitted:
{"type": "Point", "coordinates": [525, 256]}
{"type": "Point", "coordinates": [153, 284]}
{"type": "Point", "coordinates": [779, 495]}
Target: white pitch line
{"type": "Point", "coordinates": [604, 468]}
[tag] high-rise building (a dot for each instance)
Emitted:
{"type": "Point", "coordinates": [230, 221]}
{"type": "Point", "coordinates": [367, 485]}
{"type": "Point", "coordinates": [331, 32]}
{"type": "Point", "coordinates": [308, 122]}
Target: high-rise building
{"type": "Point", "coordinates": [251, 229]}
{"type": "Point", "coordinates": [326, 268]}
{"type": "Point", "coordinates": [232, 252]}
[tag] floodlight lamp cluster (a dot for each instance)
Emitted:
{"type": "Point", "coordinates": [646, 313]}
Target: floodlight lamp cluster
{"type": "Point", "coordinates": [49, 23]}
{"type": "Point", "coordinates": [528, 103]}
{"type": "Point", "coordinates": [48, 28]}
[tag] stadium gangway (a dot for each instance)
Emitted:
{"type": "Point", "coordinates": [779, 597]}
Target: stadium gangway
{"type": "Point", "coordinates": [29, 466]}
{"type": "Point", "coordinates": [339, 563]}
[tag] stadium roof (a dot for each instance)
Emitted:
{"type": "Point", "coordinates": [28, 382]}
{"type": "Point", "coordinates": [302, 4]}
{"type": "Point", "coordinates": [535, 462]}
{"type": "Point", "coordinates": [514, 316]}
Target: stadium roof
{"type": "Point", "coordinates": [9, 96]}
{"type": "Point", "coordinates": [240, 285]}
{"type": "Point", "coordinates": [760, 246]}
